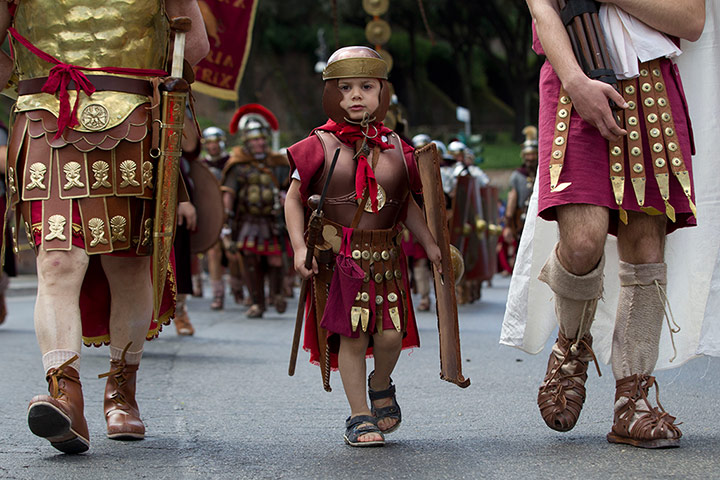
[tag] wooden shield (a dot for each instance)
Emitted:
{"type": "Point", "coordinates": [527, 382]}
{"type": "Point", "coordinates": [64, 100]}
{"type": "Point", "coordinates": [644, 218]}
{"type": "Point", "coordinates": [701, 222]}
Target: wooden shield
{"type": "Point", "coordinates": [207, 199]}
{"type": "Point", "coordinates": [428, 162]}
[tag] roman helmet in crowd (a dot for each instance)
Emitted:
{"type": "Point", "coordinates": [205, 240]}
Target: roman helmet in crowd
{"type": "Point", "coordinates": [531, 142]}
{"type": "Point", "coordinates": [214, 134]}
{"type": "Point", "coordinates": [529, 152]}
{"type": "Point", "coordinates": [456, 147]}
{"type": "Point", "coordinates": [253, 121]}
{"type": "Point", "coordinates": [421, 139]}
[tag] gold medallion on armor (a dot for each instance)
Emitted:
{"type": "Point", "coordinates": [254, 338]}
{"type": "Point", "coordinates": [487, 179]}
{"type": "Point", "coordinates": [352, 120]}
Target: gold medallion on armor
{"type": "Point", "coordinates": [94, 117]}
{"type": "Point", "coordinates": [56, 224]}
{"type": "Point", "coordinates": [117, 228]}
{"type": "Point", "coordinates": [97, 230]}
{"type": "Point", "coordinates": [72, 170]}
{"type": "Point", "coordinates": [101, 172]}
{"type": "Point", "coordinates": [147, 233]}
{"type": "Point", "coordinates": [127, 170]}
{"type": "Point", "coordinates": [147, 174]}
{"type": "Point", "coordinates": [381, 198]}
{"type": "Point", "coordinates": [37, 176]}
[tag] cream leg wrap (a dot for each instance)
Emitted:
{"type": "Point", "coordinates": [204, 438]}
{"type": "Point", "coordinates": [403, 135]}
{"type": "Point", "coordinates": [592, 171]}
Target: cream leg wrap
{"type": "Point", "coordinates": [55, 358]}
{"type": "Point", "coordinates": [576, 296]}
{"type": "Point", "coordinates": [639, 319]}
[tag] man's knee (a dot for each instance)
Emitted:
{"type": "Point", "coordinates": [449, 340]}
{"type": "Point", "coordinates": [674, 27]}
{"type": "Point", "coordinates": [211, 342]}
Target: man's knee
{"type": "Point", "coordinates": [642, 240]}
{"type": "Point", "coordinates": [132, 268]}
{"type": "Point", "coordinates": [61, 264]}
{"type": "Point", "coordinates": [580, 253]}
{"type": "Point", "coordinates": [354, 346]}
{"type": "Point", "coordinates": [387, 340]}
{"type": "Point", "coordinates": [583, 231]}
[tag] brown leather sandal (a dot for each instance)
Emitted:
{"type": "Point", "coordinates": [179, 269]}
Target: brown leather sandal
{"type": "Point", "coordinates": [562, 393]}
{"type": "Point", "coordinates": [637, 423]}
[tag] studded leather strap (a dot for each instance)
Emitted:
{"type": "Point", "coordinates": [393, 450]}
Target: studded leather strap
{"type": "Point", "coordinates": [634, 141]}
{"type": "Point", "coordinates": [562, 126]}
{"type": "Point", "coordinates": [667, 127]}
{"type": "Point", "coordinates": [617, 168]}
{"type": "Point", "coordinates": [649, 98]}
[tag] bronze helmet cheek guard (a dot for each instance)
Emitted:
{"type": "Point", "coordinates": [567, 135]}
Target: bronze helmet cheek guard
{"type": "Point", "coordinates": [332, 96]}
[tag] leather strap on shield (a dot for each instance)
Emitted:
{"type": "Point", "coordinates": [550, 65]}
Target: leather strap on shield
{"type": "Point", "coordinates": [428, 162]}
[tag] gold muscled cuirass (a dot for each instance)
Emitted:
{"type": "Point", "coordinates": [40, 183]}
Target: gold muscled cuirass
{"type": "Point", "coordinates": [88, 33]}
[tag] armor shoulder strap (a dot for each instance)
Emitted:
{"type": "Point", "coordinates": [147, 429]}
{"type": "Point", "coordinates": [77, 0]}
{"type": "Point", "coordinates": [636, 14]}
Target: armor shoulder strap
{"type": "Point", "coordinates": [394, 140]}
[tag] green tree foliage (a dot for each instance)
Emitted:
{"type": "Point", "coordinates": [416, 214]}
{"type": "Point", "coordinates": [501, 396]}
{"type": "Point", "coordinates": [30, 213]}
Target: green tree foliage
{"type": "Point", "coordinates": [480, 57]}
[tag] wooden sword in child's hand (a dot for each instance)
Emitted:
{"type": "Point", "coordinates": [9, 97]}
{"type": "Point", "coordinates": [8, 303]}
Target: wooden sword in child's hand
{"type": "Point", "coordinates": [314, 229]}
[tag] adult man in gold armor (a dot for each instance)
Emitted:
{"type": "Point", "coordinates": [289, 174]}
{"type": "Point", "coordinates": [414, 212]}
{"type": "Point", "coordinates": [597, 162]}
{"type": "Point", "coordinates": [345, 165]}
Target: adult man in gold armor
{"type": "Point", "coordinates": [81, 177]}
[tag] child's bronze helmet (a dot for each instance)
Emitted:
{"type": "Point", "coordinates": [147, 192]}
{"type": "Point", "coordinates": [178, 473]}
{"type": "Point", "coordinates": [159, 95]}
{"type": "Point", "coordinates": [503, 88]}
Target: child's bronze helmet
{"type": "Point", "coordinates": [354, 62]}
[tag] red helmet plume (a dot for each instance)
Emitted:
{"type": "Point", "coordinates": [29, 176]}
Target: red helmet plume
{"type": "Point", "coordinates": [253, 111]}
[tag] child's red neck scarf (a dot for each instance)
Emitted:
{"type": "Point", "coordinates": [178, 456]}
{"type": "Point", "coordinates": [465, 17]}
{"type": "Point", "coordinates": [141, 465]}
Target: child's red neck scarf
{"type": "Point", "coordinates": [375, 134]}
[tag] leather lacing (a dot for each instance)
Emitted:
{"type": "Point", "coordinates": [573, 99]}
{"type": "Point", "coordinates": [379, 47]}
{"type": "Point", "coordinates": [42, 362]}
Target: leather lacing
{"type": "Point", "coordinates": [653, 422]}
{"type": "Point", "coordinates": [562, 394]}
{"type": "Point", "coordinates": [55, 375]}
{"type": "Point", "coordinates": [118, 375]}
{"type": "Point", "coordinates": [669, 318]}
{"type": "Point", "coordinates": [569, 356]}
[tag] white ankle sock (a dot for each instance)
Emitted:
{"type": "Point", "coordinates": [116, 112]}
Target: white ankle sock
{"type": "Point", "coordinates": [131, 358]}
{"type": "Point", "coordinates": [55, 358]}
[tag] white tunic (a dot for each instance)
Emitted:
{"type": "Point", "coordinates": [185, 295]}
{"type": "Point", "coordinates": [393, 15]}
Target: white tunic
{"type": "Point", "coordinates": [692, 254]}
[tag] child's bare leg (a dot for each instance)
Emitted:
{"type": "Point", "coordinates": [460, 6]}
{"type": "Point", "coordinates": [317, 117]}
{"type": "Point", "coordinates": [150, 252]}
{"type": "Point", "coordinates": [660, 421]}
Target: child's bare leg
{"type": "Point", "coordinates": [351, 362]}
{"type": "Point", "coordinates": [386, 350]}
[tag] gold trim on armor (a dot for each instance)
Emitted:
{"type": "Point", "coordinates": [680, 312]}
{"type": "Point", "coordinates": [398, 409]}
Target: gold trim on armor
{"type": "Point", "coordinates": [356, 67]}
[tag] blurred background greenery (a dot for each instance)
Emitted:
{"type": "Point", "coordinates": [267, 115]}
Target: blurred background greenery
{"type": "Point", "coordinates": [474, 54]}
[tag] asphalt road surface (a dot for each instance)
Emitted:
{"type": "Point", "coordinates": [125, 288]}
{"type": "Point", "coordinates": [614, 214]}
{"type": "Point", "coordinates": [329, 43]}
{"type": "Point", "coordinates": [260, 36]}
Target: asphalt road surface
{"type": "Point", "coordinates": [221, 405]}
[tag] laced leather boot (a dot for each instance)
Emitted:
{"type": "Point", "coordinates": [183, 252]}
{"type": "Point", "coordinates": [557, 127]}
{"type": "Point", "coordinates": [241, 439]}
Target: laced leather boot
{"type": "Point", "coordinates": [121, 410]}
{"type": "Point", "coordinates": [562, 392]}
{"type": "Point", "coordinates": [58, 417]}
{"type": "Point", "coordinates": [638, 423]}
